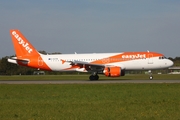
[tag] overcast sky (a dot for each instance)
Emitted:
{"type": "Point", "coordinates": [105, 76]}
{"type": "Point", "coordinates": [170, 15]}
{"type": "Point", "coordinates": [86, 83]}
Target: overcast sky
{"type": "Point", "coordinates": [93, 26]}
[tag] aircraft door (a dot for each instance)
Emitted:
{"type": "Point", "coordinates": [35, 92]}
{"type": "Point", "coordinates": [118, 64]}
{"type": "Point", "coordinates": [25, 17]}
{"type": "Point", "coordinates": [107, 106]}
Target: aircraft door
{"type": "Point", "coordinates": [40, 61]}
{"type": "Point", "coordinates": [150, 58]}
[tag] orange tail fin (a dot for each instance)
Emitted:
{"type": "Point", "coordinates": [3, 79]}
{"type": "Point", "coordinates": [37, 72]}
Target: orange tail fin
{"type": "Point", "coordinates": [21, 45]}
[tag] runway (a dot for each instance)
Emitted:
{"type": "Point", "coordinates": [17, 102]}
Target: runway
{"type": "Point", "coordinates": [86, 82]}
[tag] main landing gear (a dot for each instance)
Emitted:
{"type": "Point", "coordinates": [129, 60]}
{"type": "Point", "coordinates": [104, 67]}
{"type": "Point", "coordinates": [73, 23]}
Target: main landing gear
{"type": "Point", "coordinates": [94, 77]}
{"type": "Point", "coordinates": [150, 75]}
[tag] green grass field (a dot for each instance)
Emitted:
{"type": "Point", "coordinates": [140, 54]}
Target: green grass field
{"type": "Point", "coordinates": [90, 101]}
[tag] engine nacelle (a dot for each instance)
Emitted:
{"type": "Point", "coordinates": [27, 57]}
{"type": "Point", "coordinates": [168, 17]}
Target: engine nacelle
{"type": "Point", "coordinates": [113, 71]}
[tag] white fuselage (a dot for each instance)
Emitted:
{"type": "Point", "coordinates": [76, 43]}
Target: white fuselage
{"type": "Point", "coordinates": [56, 64]}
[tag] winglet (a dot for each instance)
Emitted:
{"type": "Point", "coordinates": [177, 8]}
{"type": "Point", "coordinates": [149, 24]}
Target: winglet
{"type": "Point", "coordinates": [21, 45]}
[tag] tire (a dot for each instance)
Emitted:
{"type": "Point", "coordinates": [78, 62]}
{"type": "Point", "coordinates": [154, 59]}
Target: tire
{"type": "Point", "coordinates": [151, 77]}
{"type": "Point", "coordinates": [93, 77]}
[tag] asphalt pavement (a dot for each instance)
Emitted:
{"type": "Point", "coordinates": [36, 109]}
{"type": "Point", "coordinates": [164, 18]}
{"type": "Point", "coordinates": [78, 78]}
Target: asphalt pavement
{"type": "Point", "coordinates": [85, 81]}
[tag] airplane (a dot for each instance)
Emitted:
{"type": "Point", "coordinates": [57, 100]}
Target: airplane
{"type": "Point", "coordinates": [109, 64]}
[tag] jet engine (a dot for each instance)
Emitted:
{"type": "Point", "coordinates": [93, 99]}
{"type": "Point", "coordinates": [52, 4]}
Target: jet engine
{"type": "Point", "coordinates": [113, 71]}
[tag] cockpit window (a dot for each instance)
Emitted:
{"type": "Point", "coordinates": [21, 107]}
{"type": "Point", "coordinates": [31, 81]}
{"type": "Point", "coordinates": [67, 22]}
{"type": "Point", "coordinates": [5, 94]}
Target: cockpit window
{"type": "Point", "coordinates": [162, 57]}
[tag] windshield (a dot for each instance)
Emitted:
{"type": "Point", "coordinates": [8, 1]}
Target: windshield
{"type": "Point", "coordinates": [162, 57]}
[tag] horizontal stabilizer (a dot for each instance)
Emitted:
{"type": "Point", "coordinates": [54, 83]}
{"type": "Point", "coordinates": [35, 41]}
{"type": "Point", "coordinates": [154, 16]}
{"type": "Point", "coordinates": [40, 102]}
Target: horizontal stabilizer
{"type": "Point", "coordinates": [16, 61]}
{"type": "Point", "coordinates": [12, 61]}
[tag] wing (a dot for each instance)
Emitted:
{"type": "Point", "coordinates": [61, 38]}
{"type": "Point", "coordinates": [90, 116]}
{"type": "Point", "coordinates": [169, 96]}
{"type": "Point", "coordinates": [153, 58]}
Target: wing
{"type": "Point", "coordinates": [90, 67]}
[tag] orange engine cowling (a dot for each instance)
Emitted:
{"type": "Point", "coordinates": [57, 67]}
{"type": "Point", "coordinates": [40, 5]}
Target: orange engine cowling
{"type": "Point", "coordinates": [113, 71]}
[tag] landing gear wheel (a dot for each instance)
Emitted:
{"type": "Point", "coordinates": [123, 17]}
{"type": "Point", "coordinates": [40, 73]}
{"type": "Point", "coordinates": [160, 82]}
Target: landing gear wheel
{"type": "Point", "coordinates": [93, 77]}
{"type": "Point", "coordinates": [96, 77]}
{"type": "Point", "coordinates": [150, 77]}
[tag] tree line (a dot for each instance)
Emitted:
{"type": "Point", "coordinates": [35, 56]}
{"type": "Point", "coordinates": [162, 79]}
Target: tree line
{"type": "Point", "coordinates": [7, 68]}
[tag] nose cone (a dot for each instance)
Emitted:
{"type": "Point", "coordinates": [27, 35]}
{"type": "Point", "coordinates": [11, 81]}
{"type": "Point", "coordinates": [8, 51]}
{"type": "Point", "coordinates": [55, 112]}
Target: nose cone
{"type": "Point", "coordinates": [170, 63]}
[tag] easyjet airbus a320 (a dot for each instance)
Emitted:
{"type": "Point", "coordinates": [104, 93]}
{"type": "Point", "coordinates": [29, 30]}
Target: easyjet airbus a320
{"type": "Point", "coordinates": [109, 64]}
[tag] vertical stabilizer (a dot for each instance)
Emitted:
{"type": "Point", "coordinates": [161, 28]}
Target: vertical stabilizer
{"type": "Point", "coordinates": [21, 45]}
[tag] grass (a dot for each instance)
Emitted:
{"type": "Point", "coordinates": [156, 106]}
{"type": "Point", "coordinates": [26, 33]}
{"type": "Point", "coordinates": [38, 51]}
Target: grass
{"type": "Point", "coordinates": [86, 77]}
{"type": "Point", "coordinates": [89, 101]}
{"type": "Point", "coordinates": [93, 102]}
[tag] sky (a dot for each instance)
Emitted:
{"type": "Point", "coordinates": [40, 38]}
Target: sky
{"type": "Point", "coordinates": [93, 26]}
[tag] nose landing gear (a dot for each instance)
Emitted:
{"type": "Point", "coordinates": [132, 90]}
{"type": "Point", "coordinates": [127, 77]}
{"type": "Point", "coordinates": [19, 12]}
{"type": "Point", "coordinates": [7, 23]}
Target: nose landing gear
{"type": "Point", "coordinates": [150, 75]}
